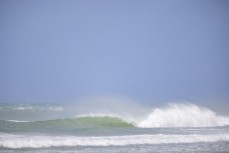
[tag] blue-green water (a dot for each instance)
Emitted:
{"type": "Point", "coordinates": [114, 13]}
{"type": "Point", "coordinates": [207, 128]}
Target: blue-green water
{"type": "Point", "coordinates": [54, 128]}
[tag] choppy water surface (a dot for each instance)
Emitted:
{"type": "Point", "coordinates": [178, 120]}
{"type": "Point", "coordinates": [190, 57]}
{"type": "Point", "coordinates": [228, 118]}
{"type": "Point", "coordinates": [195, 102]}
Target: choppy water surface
{"type": "Point", "coordinates": [176, 128]}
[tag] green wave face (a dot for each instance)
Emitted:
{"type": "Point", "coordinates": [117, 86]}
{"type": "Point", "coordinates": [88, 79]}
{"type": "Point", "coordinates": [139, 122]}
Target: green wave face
{"type": "Point", "coordinates": [111, 122]}
{"type": "Point", "coordinates": [65, 124]}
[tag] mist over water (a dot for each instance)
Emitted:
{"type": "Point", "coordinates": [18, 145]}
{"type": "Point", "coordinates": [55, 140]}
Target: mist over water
{"type": "Point", "coordinates": [183, 115]}
{"type": "Point", "coordinates": [52, 51]}
{"type": "Point", "coordinates": [109, 122]}
{"type": "Point", "coordinates": [175, 114]}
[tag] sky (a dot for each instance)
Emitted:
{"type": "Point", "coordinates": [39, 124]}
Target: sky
{"type": "Point", "coordinates": [147, 50]}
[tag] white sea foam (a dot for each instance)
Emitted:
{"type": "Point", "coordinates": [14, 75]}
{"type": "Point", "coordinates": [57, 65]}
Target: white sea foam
{"type": "Point", "coordinates": [17, 121]}
{"type": "Point", "coordinates": [183, 115]}
{"type": "Point", "coordinates": [30, 107]}
{"type": "Point", "coordinates": [24, 141]}
{"type": "Point", "coordinates": [51, 108]}
{"type": "Point", "coordinates": [173, 115]}
{"type": "Point", "coordinates": [23, 108]}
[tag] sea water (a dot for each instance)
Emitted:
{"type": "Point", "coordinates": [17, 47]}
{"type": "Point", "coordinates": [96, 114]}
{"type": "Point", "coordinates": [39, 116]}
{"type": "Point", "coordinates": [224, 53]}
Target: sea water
{"type": "Point", "coordinates": [177, 128]}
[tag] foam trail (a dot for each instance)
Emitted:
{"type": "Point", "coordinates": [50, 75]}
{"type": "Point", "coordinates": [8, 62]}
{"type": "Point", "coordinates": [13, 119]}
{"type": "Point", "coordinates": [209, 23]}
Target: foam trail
{"type": "Point", "coordinates": [183, 115]}
{"type": "Point", "coordinates": [18, 121]}
{"type": "Point", "coordinates": [24, 141]}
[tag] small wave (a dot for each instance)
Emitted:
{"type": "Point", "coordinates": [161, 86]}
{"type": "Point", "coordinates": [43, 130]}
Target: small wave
{"type": "Point", "coordinates": [183, 115]}
{"type": "Point", "coordinates": [17, 121]}
{"type": "Point", "coordinates": [30, 107]}
{"type": "Point", "coordinates": [23, 108]}
{"type": "Point", "coordinates": [25, 141]}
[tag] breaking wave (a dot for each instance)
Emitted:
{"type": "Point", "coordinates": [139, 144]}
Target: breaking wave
{"type": "Point", "coordinates": [25, 141]}
{"type": "Point", "coordinates": [173, 115]}
{"type": "Point", "coordinates": [183, 115]}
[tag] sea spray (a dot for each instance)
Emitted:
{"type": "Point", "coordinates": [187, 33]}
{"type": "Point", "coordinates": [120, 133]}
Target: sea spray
{"type": "Point", "coordinates": [171, 115]}
{"type": "Point", "coordinates": [183, 115]}
{"type": "Point", "coordinates": [177, 126]}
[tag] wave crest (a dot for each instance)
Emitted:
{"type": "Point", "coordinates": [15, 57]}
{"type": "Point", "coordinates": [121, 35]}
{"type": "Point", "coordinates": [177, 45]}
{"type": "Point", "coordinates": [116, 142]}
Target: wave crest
{"type": "Point", "coordinates": [183, 115]}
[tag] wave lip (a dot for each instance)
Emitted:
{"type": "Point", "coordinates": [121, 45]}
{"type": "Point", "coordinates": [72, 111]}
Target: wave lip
{"type": "Point", "coordinates": [183, 115]}
{"type": "Point", "coordinates": [23, 141]}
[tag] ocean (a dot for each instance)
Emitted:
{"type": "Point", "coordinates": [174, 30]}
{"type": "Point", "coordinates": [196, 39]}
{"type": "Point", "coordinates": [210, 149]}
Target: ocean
{"type": "Point", "coordinates": [54, 128]}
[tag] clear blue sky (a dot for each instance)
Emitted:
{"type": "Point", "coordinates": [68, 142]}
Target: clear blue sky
{"type": "Point", "coordinates": [149, 50]}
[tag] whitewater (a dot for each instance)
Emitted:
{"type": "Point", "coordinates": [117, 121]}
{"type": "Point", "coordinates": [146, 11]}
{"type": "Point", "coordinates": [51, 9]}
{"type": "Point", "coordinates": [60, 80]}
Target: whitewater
{"type": "Point", "coordinates": [175, 127]}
